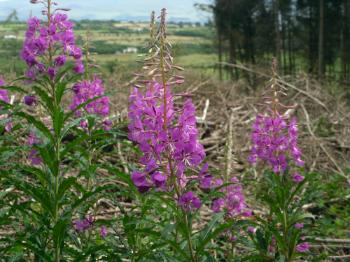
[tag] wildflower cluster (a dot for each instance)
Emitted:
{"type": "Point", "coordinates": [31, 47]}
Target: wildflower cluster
{"type": "Point", "coordinates": [89, 90]}
{"type": "Point", "coordinates": [68, 171]}
{"type": "Point", "coordinates": [82, 225]}
{"type": "Point", "coordinates": [33, 156]}
{"type": "Point", "coordinates": [275, 142]}
{"type": "Point", "coordinates": [3, 93]}
{"type": "Point", "coordinates": [4, 97]}
{"type": "Point", "coordinates": [48, 45]}
{"type": "Point", "coordinates": [233, 201]}
{"type": "Point", "coordinates": [176, 139]}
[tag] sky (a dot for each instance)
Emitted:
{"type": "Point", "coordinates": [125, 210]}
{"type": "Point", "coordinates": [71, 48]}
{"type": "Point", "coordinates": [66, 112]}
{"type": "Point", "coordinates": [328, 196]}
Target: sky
{"type": "Point", "coordinates": [137, 10]}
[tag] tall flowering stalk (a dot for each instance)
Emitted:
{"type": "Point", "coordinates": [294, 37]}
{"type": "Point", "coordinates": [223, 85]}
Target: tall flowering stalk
{"type": "Point", "coordinates": [48, 45]}
{"type": "Point", "coordinates": [275, 144]}
{"type": "Point", "coordinates": [166, 134]}
{"type": "Point", "coordinates": [57, 150]}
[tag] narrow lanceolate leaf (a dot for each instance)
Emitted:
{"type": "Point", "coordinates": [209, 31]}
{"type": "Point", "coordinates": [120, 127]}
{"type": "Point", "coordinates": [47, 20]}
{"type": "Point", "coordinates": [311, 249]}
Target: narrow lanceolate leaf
{"type": "Point", "coordinates": [14, 89]}
{"type": "Point", "coordinates": [37, 172]}
{"type": "Point", "coordinates": [81, 106]}
{"type": "Point", "coordinates": [58, 116]}
{"type": "Point", "coordinates": [65, 185]}
{"type": "Point", "coordinates": [96, 249]}
{"type": "Point", "coordinates": [71, 125]}
{"type": "Point", "coordinates": [59, 232]}
{"type": "Point", "coordinates": [213, 234]}
{"type": "Point", "coordinates": [38, 194]}
{"type": "Point", "coordinates": [38, 124]}
{"type": "Point", "coordinates": [210, 226]}
{"type": "Point", "coordinates": [45, 98]}
{"type": "Point", "coordinates": [60, 88]}
{"type": "Point", "coordinates": [48, 155]}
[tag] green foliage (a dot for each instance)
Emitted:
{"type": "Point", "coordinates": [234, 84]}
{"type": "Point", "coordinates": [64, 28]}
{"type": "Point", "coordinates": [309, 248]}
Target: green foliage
{"type": "Point", "coordinates": [276, 236]}
{"type": "Point", "coordinates": [46, 199]}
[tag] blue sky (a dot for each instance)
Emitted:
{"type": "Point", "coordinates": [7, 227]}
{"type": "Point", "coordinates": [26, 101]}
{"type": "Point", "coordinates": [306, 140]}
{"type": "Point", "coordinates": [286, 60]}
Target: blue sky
{"type": "Point", "coordinates": [112, 9]}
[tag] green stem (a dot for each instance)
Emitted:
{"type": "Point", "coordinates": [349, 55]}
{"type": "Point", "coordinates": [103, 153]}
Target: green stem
{"type": "Point", "coordinates": [189, 239]}
{"type": "Point", "coordinates": [165, 127]}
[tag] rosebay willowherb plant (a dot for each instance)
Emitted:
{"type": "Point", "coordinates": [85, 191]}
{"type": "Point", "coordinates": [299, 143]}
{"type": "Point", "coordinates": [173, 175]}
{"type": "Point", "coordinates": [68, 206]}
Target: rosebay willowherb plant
{"type": "Point", "coordinates": [55, 151]}
{"type": "Point", "coordinates": [166, 134]}
{"type": "Point", "coordinates": [279, 235]}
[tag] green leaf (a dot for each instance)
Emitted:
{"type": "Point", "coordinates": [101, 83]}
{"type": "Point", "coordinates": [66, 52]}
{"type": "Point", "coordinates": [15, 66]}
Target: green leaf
{"type": "Point", "coordinates": [58, 116]}
{"type": "Point", "coordinates": [71, 146]}
{"type": "Point", "coordinates": [81, 106]}
{"type": "Point", "coordinates": [15, 89]}
{"type": "Point", "coordinates": [37, 172]}
{"type": "Point", "coordinates": [213, 234]}
{"type": "Point", "coordinates": [60, 88]}
{"type": "Point", "coordinates": [37, 251]}
{"type": "Point", "coordinates": [95, 249]}
{"type": "Point", "coordinates": [59, 232]}
{"type": "Point", "coordinates": [65, 185]}
{"type": "Point", "coordinates": [38, 124]}
{"type": "Point", "coordinates": [210, 226]}
{"type": "Point", "coordinates": [37, 193]}
{"type": "Point", "coordinates": [48, 156]}
{"type": "Point", "coordinates": [70, 125]}
{"type": "Point", "coordinates": [45, 98]}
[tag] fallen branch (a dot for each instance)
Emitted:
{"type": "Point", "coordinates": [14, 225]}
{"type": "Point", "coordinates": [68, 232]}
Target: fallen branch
{"type": "Point", "coordinates": [279, 81]}
{"type": "Point", "coordinates": [307, 117]}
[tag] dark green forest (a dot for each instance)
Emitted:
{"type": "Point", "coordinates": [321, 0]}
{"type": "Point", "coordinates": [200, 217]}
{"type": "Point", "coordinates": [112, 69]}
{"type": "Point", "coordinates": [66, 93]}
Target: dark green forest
{"type": "Point", "coordinates": [309, 35]}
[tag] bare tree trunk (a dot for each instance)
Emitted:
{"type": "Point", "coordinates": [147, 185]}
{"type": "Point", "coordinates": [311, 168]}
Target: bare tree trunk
{"type": "Point", "coordinates": [232, 56]}
{"type": "Point", "coordinates": [290, 58]}
{"type": "Point", "coordinates": [345, 39]}
{"type": "Point", "coordinates": [284, 53]}
{"type": "Point", "coordinates": [220, 40]}
{"type": "Point", "coordinates": [276, 8]}
{"type": "Point", "coordinates": [321, 41]}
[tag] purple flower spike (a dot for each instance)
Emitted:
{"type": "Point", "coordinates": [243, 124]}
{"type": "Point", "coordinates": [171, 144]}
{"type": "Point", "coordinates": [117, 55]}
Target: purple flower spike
{"type": "Point", "coordinates": [103, 232]}
{"type": "Point", "coordinates": [60, 60]}
{"type": "Point", "coordinates": [87, 90]}
{"type": "Point", "coordinates": [178, 139]}
{"type": "Point", "coordinates": [275, 142]}
{"type": "Point", "coordinates": [251, 229]}
{"type": "Point", "coordinates": [158, 179]}
{"type": "Point", "coordinates": [299, 225]}
{"type": "Point", "coordinates": [8, 126]}
{"type": "Point", "coordinates": [107, 125]}
{"type": "Point", "coordinates": [79, 67]}
{"type": "Point", "coordinates": [297, 178]}
{"type": "Point", "coordinates": [34, 158]}
{"type": "Point", "coordinates": [40, 37]}
{"type": "Point", "coordinates": [233, 202]}
{"type": "Point", "coordinates": [84, 224]}
{"type": "Point", "coordinates": [140, 181]}
{"type": "Point", "coordinates": [303, 247]}
{"type": "Point", "coordinates": [217, 205]}
{"type": "Point", "coordinates": [4, 96]}
{"type": "Point", "coordinates": [189, 202]}
{"type": "Point", "coordinates": [51, 72]}
{"type": "Point", "coordinates": [30, 100]}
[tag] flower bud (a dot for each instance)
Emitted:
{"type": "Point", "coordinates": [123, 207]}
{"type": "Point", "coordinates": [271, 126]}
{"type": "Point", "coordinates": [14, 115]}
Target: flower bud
{"type": "Point", "coordinates": [30, 100]}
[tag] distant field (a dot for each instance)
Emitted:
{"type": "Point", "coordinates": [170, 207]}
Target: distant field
{"type": "Point", "coordinates": [117, 44]}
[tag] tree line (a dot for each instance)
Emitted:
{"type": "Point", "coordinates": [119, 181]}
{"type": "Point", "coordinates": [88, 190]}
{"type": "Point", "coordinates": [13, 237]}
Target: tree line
{"type": "Point", "coordinates": [308, 35]}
